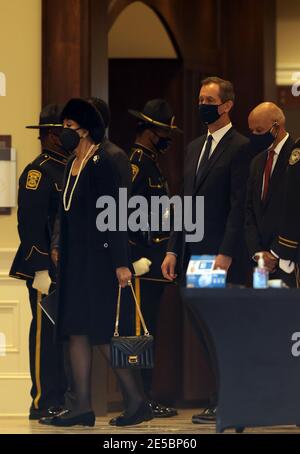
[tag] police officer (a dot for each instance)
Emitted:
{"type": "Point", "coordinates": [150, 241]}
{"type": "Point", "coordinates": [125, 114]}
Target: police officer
{"type": "Point", "coordinates": [286, 245]}
{"type": "Point", "coordinates": [40, 188]}
{"type": "Point", "coordinates": [154, 137]}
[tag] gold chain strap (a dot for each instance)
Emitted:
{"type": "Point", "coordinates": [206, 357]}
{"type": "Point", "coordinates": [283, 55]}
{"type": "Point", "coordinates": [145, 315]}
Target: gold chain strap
{"type": "Point", "coordinates": [116, 333]}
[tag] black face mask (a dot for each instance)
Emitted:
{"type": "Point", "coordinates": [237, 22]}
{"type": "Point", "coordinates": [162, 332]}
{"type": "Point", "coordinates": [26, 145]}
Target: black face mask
{"type": "Point", "coordinates": [261, 142]}
{"type": "Point", "coordinates": [69, 139]}
{"type": "Point", "coordinates": [163, 143]}
{"type": "Point", "coordinates": [209, 113]}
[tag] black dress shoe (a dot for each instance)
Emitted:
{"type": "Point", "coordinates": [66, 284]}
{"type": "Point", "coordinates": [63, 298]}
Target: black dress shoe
{"type": "Point", "coordinates": [143, 413]}
{"type": "Point", "coordinates": [112, 421]}
{"type": "Point", "coordinates": [47, 420]}
{"type": "Point", "coordinates": [35, 414]}
{"type": "Point", "coordinates": [160, 411]}
{"type": "Point", "coordinates": [65, 419]}
{"type": "Point", "coordinates": [207, 417]}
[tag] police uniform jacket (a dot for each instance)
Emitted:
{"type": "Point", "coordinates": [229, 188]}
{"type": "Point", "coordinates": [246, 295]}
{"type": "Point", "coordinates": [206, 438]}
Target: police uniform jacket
{"type": "Point", "coordinates": [40, 187]}
{"type": "Point", "coordinates": [148, 181]}
{"type": "Point", "coordinates": [286, 245]}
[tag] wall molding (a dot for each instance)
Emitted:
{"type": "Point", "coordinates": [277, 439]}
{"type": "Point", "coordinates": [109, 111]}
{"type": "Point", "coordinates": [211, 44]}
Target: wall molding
{"type": "Point", "coordinates": [15, 376]}
{"type": "Point", "coordinates": [13, 306]}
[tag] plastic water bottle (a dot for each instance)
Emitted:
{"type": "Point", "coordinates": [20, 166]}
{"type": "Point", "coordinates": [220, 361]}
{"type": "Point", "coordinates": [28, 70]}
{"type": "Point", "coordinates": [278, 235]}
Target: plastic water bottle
{"type": "Point", "coordinates": [260, 275]}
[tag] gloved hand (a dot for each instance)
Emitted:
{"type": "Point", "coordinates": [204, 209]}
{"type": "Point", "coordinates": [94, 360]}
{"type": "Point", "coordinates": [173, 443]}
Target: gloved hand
{"type": "Point", "coordinates": [42, 282]}
{"type": "Point", "coordinates": [287, 266]}
{"type": "Point", "coordinates": [141, 266]}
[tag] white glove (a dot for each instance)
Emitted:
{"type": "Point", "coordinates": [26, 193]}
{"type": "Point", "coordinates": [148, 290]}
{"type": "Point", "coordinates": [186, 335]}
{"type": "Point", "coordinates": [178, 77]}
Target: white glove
{"type": "Point", "coordinates": [42, 282]}
{"type": "Point", "coordinates": [287, 266]}
{"type": "Point", "coordinates": [141, 266]}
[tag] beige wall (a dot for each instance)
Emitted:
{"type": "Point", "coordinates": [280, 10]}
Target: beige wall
{"type": "Point", "coordinates": [288, 40]}
{"type": "Point", "coordinates": [139, 33]}
{"type": "Point", "coordinates": [20, 61]}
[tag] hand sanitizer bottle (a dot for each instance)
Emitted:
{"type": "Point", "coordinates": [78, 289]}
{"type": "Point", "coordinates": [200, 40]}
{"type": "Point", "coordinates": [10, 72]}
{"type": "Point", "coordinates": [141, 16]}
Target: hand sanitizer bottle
{"type": "Point", "coordinates": [260, 275]}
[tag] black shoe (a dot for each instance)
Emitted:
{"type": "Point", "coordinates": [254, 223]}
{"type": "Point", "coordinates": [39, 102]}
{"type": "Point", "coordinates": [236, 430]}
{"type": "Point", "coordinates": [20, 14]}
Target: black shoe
{"type": "Point", "coordinates": [47, 420]}
{"type": "Point", "coordinates": [35, 414]}
{"type": "Point", "coordinates": [66, 420]}
{"type": "Point", "coordinates": [160, 411]}
{"type": "Point", "coordinates": [207, 417]}
{"type": "Point", "coordinates": [112, 421]}
{"type": "Point", "coordinates": [143, 413]}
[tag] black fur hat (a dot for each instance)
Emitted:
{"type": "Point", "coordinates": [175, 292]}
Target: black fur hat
{"type": "Point", "coordinates": [86, 115]}
{"type": "Point", "coordinates": [103, 108]}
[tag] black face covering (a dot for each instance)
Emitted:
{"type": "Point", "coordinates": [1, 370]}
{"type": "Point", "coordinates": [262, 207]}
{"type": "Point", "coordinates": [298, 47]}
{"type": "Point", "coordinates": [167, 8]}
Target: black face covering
{"type": "Point", "coordinates": [69, 139]}
{"type": "Point", "coordinates": [163, 143]}
{"type": "Point", "coordinates": [209, 113]}
{"type": "Point", "coordinates": [261, 142]}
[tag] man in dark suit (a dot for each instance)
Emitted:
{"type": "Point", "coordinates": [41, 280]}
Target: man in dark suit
{"type": "Point", "coordinates": [265, 189]}
{"type": "Point", "coordinates": [216, 167]}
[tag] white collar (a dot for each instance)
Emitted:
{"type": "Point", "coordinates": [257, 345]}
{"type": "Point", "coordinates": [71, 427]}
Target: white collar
{"type": "Point", "coordinates": [280, 145]}
{"type": "Point", "coordinates": [220, 133]}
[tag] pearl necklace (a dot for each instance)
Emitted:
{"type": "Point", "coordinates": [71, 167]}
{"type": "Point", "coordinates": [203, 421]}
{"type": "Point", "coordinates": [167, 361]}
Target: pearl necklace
{"type": "Point", "coordinates": [67, 205]}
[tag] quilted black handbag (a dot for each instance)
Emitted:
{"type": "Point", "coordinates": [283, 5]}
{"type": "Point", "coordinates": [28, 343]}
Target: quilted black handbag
{"type": "Point", "coordinates": [131, 351]}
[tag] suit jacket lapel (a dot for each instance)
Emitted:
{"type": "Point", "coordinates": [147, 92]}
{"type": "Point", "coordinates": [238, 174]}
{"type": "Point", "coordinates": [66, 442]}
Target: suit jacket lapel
{"type": "Point", "coordinates": [215, 156]}
{"type": "Point", "coordinates": [192, 165]}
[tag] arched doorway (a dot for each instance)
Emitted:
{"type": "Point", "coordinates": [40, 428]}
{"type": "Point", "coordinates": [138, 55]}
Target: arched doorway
{"type": "Point", "coordinates": [144, 64]}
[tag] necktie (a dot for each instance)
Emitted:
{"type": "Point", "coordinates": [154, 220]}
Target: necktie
{"type": "Point", "coordinates": [204, 159]}
{"type": "Point", "coordinates": [267, 174]}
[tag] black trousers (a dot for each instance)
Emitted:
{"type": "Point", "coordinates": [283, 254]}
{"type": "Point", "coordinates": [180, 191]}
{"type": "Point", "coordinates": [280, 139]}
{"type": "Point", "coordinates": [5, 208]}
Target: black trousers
{"type": "Point", "coordinates": [46, 358]}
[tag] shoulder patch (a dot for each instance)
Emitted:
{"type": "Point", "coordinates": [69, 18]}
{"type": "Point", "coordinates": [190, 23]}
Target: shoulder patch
{"type": "Point", "coordinates": [135, 170]}
{"type": "Point", "coordinates": [33, 179]}
{"type": "Point", "coordinates": [295, 157]}
{"type": "Point", "coordinates": [136, 154]}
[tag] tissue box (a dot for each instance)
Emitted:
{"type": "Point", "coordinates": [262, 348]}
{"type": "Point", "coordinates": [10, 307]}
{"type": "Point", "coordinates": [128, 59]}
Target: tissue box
{"type": "Point", "coordinates": [200, 273]}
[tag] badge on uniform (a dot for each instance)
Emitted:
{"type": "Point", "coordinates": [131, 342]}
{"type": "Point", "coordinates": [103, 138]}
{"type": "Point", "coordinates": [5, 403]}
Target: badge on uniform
{"type": "Point", "coordinates": [135, 170]}
{"type": "Point", "coordinates": [33, 179]}
{"type": "Point", "coordinates": [295, 157]}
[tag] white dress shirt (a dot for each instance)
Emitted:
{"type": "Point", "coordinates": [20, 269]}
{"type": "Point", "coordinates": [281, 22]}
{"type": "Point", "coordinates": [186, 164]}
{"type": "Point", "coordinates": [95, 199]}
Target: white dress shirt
{"type": "Point", "coordinates": [217, 136]}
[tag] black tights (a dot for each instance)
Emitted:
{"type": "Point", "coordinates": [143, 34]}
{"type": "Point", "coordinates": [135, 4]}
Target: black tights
{"type": "Point", "coordinates": [81, 363]}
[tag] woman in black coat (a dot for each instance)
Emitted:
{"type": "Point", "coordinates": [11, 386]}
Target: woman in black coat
{"type": "Point", "coordinates": [92, 265]}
